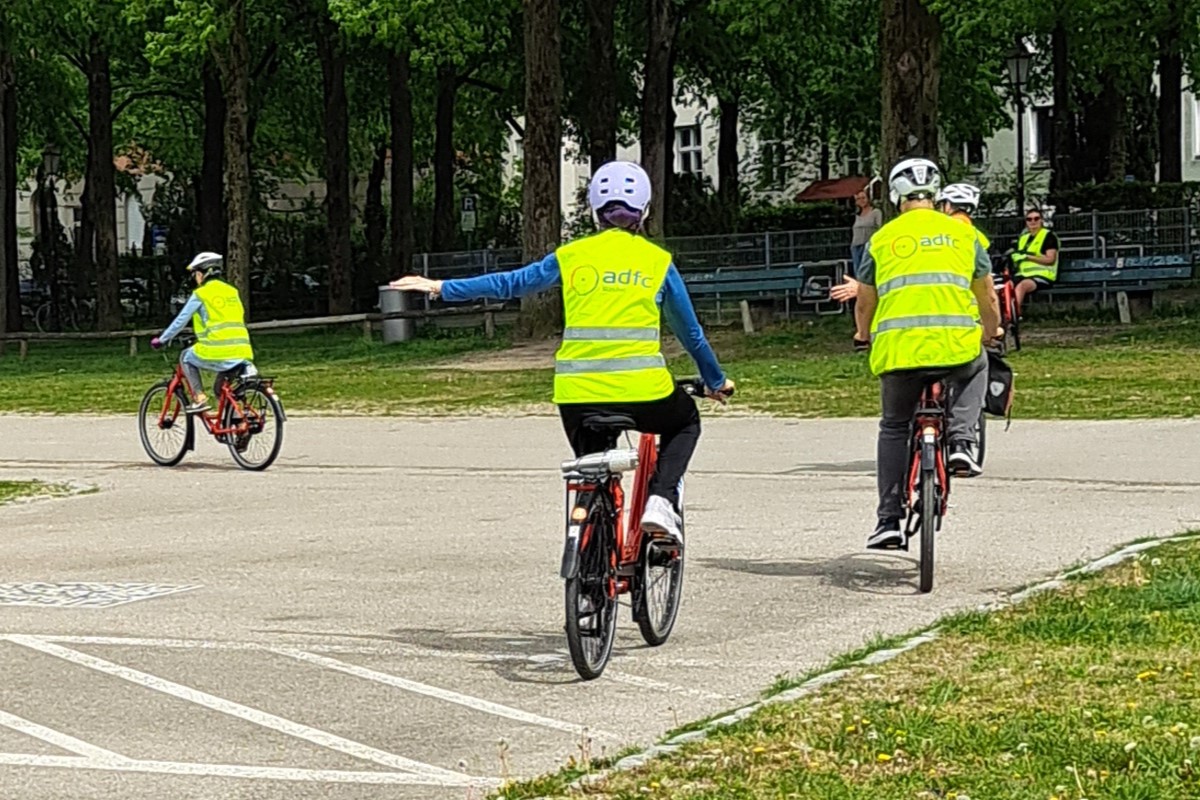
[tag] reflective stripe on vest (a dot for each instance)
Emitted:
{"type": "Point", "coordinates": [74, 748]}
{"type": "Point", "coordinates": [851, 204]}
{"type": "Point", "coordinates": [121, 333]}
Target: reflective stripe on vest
{"type": "Point", "coordinates": [582, 367]}
{"type": "Point", "coordinates": [610, 347]}
{"type": "Point", "coordinates": [1031, 269]}
{"type": "Point", "coordinates": [612, 334]}
{"type": "Point", "coordinates": [926, 279]}
{"type": "Point", "coordinates": [225, 337]}
{"type": "Point", "coordinates": [927, 315]}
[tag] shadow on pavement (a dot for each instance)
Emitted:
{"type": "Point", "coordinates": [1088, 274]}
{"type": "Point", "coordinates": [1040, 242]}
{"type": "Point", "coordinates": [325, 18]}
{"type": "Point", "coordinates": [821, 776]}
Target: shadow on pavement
{"type": "Point", "coordinates": [869, 573]}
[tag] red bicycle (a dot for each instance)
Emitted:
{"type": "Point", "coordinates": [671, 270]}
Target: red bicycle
{"type": "Point", "coordinates": [1010, 309]}
{"type": "Point", "coordinates": [606, 555]}
{"type": "Point", "coordinates": [249, 419]}
{"type": "Point", "coordinates": [928, 475]}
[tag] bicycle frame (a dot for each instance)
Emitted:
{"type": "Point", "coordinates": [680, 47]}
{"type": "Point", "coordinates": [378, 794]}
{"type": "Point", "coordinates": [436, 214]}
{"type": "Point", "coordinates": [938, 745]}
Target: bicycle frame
{"type": "Point", "coordinates": [627, 517]}
{"type": "Point", "coordinates": [928, 447]}
{"type": "Point", "coordinates": [212, 422]}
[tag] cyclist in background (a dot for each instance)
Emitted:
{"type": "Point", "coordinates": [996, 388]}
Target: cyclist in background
{"type": "Point", "coordinates": [961, 201]}
{"type": "Point", "coordinates": [616, 287]}
{"type": "Point", "coordinates": [923, 288]}
{"type": "Point", "coordinates": [219, 321]}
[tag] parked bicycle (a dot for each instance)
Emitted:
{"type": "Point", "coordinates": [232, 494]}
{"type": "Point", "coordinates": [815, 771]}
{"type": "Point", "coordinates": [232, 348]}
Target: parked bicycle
{"type": "Point", "coordinates": [248, 419]}
{"type": "Point", "coordinates": [606, 554]}
{"type": "Point", "coordinates": [1010, 309]}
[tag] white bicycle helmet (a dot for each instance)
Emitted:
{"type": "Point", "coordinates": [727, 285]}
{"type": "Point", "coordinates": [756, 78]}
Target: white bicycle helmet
{"type": "Point", "coordinates": [620, 182]}
{"type": "Point", "coordinates": [207, 262]}
{"type": "Point", "coordinates": [963, 196]}
{"type": "Point", "coordinates": [914, 177]}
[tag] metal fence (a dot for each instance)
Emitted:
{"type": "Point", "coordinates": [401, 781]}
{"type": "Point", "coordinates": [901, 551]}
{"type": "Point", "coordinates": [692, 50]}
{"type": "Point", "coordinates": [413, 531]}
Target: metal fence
{"type": "Point", "coordinates": [1096, 234]}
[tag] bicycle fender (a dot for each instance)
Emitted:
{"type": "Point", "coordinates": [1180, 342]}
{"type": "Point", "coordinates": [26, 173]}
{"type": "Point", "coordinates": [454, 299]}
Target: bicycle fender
{"type": "Point", "coordinates": [570, 556]}
{"type": "Point", "coordinates": [928, 456]}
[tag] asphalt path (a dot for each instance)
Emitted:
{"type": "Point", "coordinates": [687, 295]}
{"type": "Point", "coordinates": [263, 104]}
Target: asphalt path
{"type": "Point", "coordinates": [379, 614]}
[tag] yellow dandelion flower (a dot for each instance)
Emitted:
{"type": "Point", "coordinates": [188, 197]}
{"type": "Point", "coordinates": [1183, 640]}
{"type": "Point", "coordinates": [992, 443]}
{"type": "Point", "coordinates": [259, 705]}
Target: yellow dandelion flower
{"type": "Point", "coordinates": [851, 728]}
{"type": "Point", "coordinates": [1147, 674]}
{"type": "Point", "coordinates": [654, 784]}
{"type": "Point", "coordinates": [760, 749]}
{"type": "Point", "coordinates": [883, 758]}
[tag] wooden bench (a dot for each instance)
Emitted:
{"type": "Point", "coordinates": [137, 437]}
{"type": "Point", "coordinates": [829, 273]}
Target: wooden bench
{"type": "Point", "coordinates": [1140, 276]}
{"type": "Point", "coordinates": [789, 283]}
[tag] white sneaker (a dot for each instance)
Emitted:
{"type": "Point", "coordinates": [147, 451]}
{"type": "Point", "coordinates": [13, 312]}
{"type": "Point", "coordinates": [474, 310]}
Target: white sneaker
{"type": "Point", "coordinates": [660, 519]}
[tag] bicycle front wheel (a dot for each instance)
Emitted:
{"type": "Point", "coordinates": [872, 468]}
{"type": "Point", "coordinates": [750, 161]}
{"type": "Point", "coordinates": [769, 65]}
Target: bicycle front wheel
{"type": "Point", "coordinates": [929, 514]}
{"type": "Point", "coordinates": [591, 608]}
{"type": "Point", "coordinates": [164, 427]}
{"type": "Point", "coordinates": [659, 587]}
{"type": "Point", "coordinates": [258, 446]}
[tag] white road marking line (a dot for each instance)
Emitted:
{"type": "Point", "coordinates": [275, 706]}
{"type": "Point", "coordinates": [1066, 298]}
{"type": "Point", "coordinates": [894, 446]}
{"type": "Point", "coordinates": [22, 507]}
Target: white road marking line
{"type": "Point", "coordinates": [246, 772]}
{"type": "Point", "coordinates": [59, 739]}
{"type": "Point", "coordinates": [662, 686]}
{"type": "Point", "coordinates": [195, 644]}
{"type": "Point", "coordinates": [262, 718]}
{"type": "Point", "coordinates": [474, 703]}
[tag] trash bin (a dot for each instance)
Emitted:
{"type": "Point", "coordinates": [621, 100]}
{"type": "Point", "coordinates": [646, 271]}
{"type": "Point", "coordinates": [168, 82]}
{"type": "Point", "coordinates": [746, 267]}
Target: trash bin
{"type": "Point", "coordinates": [395, 330]}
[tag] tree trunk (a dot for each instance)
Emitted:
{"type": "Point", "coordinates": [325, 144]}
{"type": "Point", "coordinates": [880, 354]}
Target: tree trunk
{"type": "Point", "coordinates": [210, 191]}
{"type": "Point", "coordinates": [234, 61]}
{"type": "Point", "coordinates": [910, 50]}
{"type": "Point", "coordinates": [1066, 135]}
{"type": "Point", "coordinates": [1170, 104]}
{"type": "Point", "coordinates": [658, 89]}
{"type": "Point", "coordinates": [375, 218]}
{"type": "Point", "coordinates": [10, 281]}
{"type": "Point", "coordinates": [603, 114]}
{"type": "Point", "coordinates": [85, 239]}
{"type": "Point", "coordinates": [728, 186]}
{"type": "Point", "coordinates": [101, 191]}
{"type": "Point", "coordinates": [541, 224]}
{"type": "Point", "coordinates": [1116, 157]}
{"type": "Point", "coordinates": [443, 160]}
{"type": "Point", "coordinates": [400, 67]}
{"type": "Point", "coordinates": [332, 54]}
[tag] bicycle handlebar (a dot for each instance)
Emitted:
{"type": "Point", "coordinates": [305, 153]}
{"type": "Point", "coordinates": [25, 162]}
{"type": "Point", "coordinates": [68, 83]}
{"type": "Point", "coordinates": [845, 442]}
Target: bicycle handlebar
{"type": "Point", "coordinates": [696, 388]}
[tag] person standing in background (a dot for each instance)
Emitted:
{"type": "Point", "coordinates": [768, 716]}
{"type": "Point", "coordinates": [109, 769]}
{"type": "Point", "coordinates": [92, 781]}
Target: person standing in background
{"type": "Point", "coordinates": [869, 220]}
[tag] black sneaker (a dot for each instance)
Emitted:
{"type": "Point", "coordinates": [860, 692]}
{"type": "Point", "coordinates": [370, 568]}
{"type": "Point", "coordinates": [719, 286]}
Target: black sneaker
{"type": "Point", "coordinates": [964, 460]}
{"type": "Point", "coordinates": [887, 536]}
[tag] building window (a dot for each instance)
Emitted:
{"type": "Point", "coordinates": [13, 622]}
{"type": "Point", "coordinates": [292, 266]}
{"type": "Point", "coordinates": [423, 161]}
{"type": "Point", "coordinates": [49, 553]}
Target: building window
{"type": "Point", "coordinates": [858, 162]}
{"type": "Point", "coordinates": [687, 147]}
{"type": "Point", "coordinates": [1196, 128]}
{"type": "Point", "coordinates": [772, 167]}
{"type": "Point", "coordinates": [1040, 138]}
{"type": "Point", "coordinates": [975, 153]}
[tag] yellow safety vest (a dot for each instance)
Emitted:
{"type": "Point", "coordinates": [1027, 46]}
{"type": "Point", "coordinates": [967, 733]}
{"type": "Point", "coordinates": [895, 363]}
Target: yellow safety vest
{"type": "Point", "coordinates": [1030, 269]}
{"type": "Point", "coordinates": [225, 336]}
{"type": "Point", "coordinates": [965, 220]}
{"type": "Point", "coordinates": [927, 315]}
{"type": "Point", "coordinates": [610, 350]}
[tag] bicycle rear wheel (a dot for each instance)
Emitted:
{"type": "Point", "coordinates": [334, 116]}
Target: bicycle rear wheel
{"type": "Point", "coordinates": [981, 432]}
{"type": "Point", "coordinates": [258, 448]}
{"type": "Point", "coordinates": [165, 434]}
{"type": "Point", "coordinates": [591, 610]}
{"type": "Point", "coordinates": [929, 514]}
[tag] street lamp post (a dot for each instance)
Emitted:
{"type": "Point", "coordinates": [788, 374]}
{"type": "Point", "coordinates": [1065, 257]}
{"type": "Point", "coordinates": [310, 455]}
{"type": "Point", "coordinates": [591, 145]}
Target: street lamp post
{"type": "Point", "coordinates": [1018, 76]}
{"type": "Point", "coordinates": [51, 161]}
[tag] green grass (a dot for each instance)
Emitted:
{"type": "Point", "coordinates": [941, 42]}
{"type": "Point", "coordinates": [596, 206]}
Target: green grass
{"type": "Point", "coordinates": [11, 490]}
{"type": "Point", "coordinates": [1089, 692]}
{"type": "Point", "coordinates": [805, 369]}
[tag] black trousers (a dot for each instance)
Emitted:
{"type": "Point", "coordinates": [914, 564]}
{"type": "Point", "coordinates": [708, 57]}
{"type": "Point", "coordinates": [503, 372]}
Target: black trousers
{"type": "Point", "coordinates": [674, 418]}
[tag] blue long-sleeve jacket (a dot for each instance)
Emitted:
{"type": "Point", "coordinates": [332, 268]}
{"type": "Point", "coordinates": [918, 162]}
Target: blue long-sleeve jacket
{"type": "Point", "coordinates": [541, 275]}
{"type": "Point", "coordinates": [192, 307]}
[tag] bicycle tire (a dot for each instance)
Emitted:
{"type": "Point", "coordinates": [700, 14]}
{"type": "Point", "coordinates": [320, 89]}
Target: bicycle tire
{"type": "Point", "coordinates": [171, 457]}
{"type": "Point", "coordinates": [981, 432]}
{"type": "Point", "coordinates": [929, 514]}
{"type": "Point", "coordinates": [256, 399]}
{"type": "Point", "coordinates": [591, 645]}
{"type": "Point", "coordinates": [656, 627]}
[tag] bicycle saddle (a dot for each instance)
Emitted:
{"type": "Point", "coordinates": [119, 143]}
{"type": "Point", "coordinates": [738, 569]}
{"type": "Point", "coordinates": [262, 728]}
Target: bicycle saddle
{"type": "Point", "coordinates": [609, 422]}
